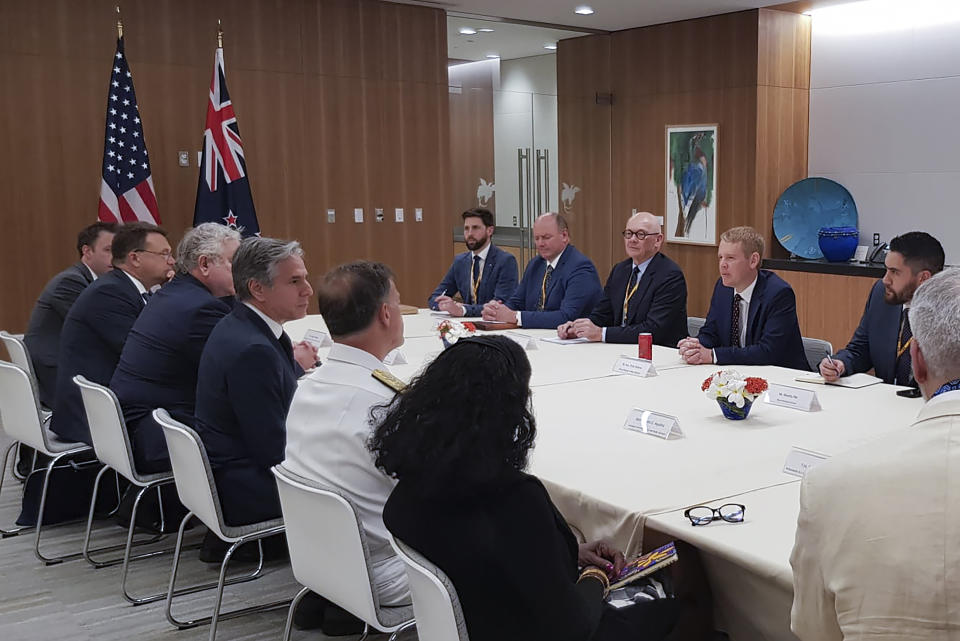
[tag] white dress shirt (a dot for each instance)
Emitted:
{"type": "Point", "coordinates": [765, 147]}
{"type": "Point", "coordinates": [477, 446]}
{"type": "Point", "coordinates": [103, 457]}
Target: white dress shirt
{"type": "Point", "coordinates": [552, 263]}
{"type": "Point", "coordinates": [483, 261]}
{"type": "Point", "coordinates": [136, 283]}
{"type": "Point", "coordinates": [745, 295]}
{"type": "Point", "coordinates": [275, 327]}
{"type": "Point", "coordinates": [93, 274]}
{"type": "Point", "coordinates": [327, 430]}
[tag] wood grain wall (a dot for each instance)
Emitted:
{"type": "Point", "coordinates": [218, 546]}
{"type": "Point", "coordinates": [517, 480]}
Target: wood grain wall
{"type": "Point", "coordinates": [748, 72]}
{"type": "Point", "coordinates": [341, 104]}
{"type": "Point", "coordinates": [471, 136]}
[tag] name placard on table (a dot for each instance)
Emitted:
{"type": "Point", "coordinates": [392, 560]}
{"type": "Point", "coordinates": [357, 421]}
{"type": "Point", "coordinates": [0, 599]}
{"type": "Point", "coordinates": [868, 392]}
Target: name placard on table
{"type": "Point", "coordinates": [800, 461]}
{"type": "Point", "coordinates": [526, 341]}
{"type": "Point", "coordinates": [795, 398]}
{"type": "Point", "coordinates": [653, 423]}
{"type": "Point", "coordinates": [317, 338]}
{"type": "Point", "coordinates": [634, 366]}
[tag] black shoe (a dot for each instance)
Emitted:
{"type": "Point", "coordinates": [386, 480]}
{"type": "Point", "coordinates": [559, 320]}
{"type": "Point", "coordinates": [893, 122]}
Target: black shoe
{"type": "Point", "coordinates": [310, 611]}
{"type": "Point", "coordinates": [214, 549]}
{"type": "Point", "coordinates": [337, 622]}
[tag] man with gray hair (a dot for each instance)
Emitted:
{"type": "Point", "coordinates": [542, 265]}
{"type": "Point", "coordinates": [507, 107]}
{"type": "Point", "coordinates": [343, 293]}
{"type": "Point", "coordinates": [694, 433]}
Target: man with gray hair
{"type": "Point", "coordinates": [159, 362]}
{"type": "Point", "coordinates": [248, 374]}
{"type": "Point", "coordinates": [879, 527]}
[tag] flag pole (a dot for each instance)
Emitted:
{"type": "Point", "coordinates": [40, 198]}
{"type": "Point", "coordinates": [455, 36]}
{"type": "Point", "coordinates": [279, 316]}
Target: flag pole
{"type": "Point", "coordinates": [119, 23]}
{"type": "Point", "coordinates": [219, 35]}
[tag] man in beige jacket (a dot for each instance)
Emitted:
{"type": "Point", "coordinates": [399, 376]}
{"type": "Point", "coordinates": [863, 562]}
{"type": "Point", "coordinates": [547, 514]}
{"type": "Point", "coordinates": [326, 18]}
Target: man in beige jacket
{"type": "Point", "coordinates": [877, 554]}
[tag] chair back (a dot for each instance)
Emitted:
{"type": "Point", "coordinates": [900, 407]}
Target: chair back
{"type": "Point", "coordinates": [328, 548]}
{"type": "Point", "coordinates": [694, 323]}
{"type": "Point", "coordinates": [19, 410]}
{"type": "Point", "coordinates": [435, 602]}
{"type": "Point", "coordinates": [20, 356]}
{"type": "Point", "coordinates": [192, 473]}
{"type": "Point", "coordinates": [108, 431]}
{"type": "Point", "coordinates": [815, 350]}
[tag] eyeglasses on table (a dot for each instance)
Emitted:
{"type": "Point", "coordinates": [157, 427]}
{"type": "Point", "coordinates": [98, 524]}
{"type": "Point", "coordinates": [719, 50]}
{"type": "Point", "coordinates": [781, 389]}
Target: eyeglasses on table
{"type": "Point", "coordinates": [704, 514]}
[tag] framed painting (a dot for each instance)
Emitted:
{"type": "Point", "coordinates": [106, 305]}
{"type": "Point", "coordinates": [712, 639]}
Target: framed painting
{"type": "Point", "coordinates": [691, 187]}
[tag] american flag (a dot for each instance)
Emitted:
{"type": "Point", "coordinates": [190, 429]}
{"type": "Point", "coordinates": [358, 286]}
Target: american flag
{"type": "Point", "coordinates": [126, 191]}
{"type": "Point", "coordinates": [223, 192]}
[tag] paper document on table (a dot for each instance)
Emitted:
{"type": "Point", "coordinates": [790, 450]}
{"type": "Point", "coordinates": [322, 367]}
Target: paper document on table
{"type": "Point", "coordinates": [564, 341]}
{"type": "Point", "coordinates": [440, 314]}
{"type": "Point", "coordinates": [855, 381]}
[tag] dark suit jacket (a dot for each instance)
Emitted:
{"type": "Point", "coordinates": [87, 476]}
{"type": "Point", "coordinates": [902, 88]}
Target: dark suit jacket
{"type": "Point", "coordinates": [658, 307]}
{"type": "Point", "coordinates": [528, 594]}
{"type": "Point", "coordinates": [159, 363]}
{"type": "Point", "coordinates": [573, 290]}
{"type": "Point", "coordinates": [245, 384]}
{"type": "Point", "coordinates": [46, 322]}
{"type": "Point", "coordinates": [498, 282]}
{"type": "Point", "coordinates": [874, 344]}
{"type": "Point", "coordinates": [90, 344]}
{"type": "Point", "coordinates": [773, 332]}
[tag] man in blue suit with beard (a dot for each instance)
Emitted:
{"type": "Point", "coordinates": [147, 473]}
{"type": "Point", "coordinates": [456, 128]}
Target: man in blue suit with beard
{"type": "Point", "coordinates": [882, 340]}
{"type": "Point", "coordinates": [482, 274]}
{"type": "Point", "coordinates": [159, 363]}
{"type": "Point", "coordinates": [559, 285]}
{"type": "Point", "coordinates": [753, 313]}
{"type": "Point", "coordinates": [99, 322]}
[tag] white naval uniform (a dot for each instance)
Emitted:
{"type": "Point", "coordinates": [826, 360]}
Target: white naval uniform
{"type": "Point", "coordinates": [327, 430]}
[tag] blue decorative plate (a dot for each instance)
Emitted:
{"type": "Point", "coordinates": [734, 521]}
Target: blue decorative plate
{"type": "Point", "coordinates": [805, 207]}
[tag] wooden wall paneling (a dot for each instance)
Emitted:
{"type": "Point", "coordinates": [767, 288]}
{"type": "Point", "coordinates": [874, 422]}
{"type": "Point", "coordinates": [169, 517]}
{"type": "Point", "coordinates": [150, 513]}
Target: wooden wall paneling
{"type": "Point", "coordinates": [837, 321]}
{"type": "Point", "coordinates": [320, 127]}
{"type": "Point", "coordinates": [470, 100]}
{"type": "Point", "coordinates": [584, 144]}
{"type": "Point", "coordinates": [783, 100]}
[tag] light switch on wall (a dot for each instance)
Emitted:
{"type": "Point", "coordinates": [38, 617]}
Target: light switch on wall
{"type": "Point", "coordinates": [398, 214]}
{"type": "Point", "coordinates": [331, 215]}
{"type": "Point", "coordinates": [418, 215]}
{"type": "Point", "coordinates": [378, 214]}
{"type": "Point", "coordinates": [183, 158]}
{"type": "Point", "coordinates": [358, 215]}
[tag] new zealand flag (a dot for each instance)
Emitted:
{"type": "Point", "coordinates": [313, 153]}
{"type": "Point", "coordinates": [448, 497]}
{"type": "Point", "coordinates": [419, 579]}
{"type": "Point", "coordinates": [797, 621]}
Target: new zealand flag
{"type": "Point", "coordinates": [223, 192]}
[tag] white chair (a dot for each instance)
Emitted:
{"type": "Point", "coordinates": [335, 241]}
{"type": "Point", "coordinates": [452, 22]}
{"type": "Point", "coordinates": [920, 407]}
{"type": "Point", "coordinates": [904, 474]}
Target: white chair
{"type": "Point", "coordinates": [23, 420]}
{"type": "Point", "coordinates": [20, 356]}
{"type": "Point", "coordinates": [435, 602]}
{"type": "Point", "coordinates": [694, 323]}
{"type": "Point", "coordinates": [815, 350]}
{"type": "Point", "coordinates": [330, 556]}
{"type": "Point", "coordinates": [198, 493]}
{"type": "Point", "coordinates": [111, 442]}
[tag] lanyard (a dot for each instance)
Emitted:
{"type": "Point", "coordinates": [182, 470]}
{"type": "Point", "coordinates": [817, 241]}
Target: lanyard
{"type": "Point", "coordinates": [627, 297]}
{"type": "Point", "coordinates": [901, 348]}
{"type": "Point", "coordinates": [476, 283]}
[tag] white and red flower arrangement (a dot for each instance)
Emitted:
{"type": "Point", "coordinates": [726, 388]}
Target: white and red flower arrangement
{"type": "Point", "coordinates": [733, 391]}
{"type": "Point", "coordinates": [451, 331]}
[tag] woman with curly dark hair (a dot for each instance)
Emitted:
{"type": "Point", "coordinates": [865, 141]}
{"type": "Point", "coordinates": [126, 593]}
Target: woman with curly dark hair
{"type": "Point", "coordinates": [457, 440]}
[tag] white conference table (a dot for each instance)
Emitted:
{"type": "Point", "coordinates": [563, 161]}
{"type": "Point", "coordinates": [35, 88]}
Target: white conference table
{"type": "Point", "coordinates": [613, 483]}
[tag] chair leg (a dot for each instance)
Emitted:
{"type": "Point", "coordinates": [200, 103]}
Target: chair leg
{"type": "Point", "coordinates": [88, 553]}
{"type": "Point", "coordinates": [3, 472]}
{"type": "Point", "coordinates": [396, 633]}
{"type": "Point", "coordinates": [366, 631]}
{"type": "Point", "coordinates": [293, 608]}
{"type": "Point", "coordinates": [243, 578]}
{"type": "Point", "coordinates": [43, 502]}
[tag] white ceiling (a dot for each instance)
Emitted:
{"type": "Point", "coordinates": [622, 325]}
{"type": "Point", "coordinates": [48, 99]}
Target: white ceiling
{"type": "Point", "coordinates": [610, 15]}
{"type": "Point", "coordinates": [508, 40]}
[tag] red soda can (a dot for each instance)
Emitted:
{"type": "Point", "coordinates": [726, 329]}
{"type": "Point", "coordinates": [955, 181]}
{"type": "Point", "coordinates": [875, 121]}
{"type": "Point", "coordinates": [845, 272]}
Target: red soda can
{"type": "Point", "coordinates": [645, 346]}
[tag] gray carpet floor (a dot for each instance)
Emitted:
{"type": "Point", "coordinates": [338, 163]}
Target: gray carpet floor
{"type": "Point", "coordinates": [74, 601]}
